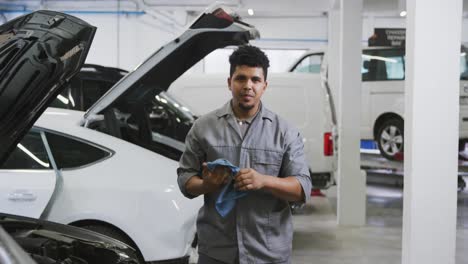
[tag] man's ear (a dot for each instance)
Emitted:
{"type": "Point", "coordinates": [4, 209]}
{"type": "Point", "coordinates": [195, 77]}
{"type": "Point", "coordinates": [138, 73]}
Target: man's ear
{"type": "Point", "coordinates": [229, 83]}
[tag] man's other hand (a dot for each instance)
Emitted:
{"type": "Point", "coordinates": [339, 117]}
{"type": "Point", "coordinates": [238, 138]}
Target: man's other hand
{"type": "Point", "coordinates": [249, 179]}
{"type": "Point", "coordinates": [212, 180]}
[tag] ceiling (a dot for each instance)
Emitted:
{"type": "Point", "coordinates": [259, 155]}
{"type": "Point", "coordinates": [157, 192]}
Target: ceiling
{"type": "Point", "coordinates": [262, 8]}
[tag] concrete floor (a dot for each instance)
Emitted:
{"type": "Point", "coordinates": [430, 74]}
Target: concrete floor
{"type": "Point", "coordinates": [317, 238]}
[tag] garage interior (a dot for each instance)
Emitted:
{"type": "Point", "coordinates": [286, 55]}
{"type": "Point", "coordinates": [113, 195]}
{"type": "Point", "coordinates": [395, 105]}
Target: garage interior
{"type": "Point", "coordinates": [362, 217]}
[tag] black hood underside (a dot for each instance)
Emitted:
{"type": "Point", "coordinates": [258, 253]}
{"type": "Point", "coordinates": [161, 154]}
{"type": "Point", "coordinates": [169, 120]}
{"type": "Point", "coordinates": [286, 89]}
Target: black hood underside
{"type": "Point", "coordinates": [39, 53]}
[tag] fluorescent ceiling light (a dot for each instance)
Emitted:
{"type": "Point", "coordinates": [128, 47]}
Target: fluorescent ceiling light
{"type": "Point", "coordinates": [250, 12]}
{"type": "Point", "coordinates": [403, 13]}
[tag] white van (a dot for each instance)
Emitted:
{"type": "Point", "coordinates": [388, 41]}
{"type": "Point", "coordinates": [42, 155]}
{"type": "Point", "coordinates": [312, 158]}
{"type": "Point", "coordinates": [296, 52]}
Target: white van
{"type": "Point", "coordinates": [288, 94]}
{"type": "Point", "coordinates": [382, 107]}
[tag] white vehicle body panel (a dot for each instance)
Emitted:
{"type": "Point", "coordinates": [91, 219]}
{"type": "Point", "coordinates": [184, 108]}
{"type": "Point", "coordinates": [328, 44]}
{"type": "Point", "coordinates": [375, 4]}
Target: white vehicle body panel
{"type": "Point", "coordinates": [26, 192]}
{"type": "Point", "coordinates": [296, 97]}
{"type": "Point", "coordinates": [380, 98]}
{"type": "Point", "coordinates": [135, 190]}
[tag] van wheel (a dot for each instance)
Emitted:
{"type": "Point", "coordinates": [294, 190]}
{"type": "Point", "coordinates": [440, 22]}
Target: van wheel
{"type": "Point", "coordinates": [390, 138]}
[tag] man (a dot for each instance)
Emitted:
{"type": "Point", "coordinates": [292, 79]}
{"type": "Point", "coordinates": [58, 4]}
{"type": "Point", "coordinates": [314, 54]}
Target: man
{"type": "Point", "coordinates": [273, 171]}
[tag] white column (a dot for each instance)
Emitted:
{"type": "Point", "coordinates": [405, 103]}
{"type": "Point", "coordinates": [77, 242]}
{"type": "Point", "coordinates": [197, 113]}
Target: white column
{"type": "Point", "coordinates": [345, 74]}
{"type": "Point", "coordinates": [431, 131]}
{"type": "Point", "coordinates": [333, 51]}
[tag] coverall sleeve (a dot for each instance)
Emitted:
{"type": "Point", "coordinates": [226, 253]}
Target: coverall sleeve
{"type": "Point", "coordinates": [295, 162]}
{"type": "Point", "coordinates": [191, 160]}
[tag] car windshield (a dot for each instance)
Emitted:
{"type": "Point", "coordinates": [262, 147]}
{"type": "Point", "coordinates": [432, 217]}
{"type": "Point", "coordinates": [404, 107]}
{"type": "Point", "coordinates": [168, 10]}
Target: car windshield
{"type": "Point", "coordinates": [182, 111]}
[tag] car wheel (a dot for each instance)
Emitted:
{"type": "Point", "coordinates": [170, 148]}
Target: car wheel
{"type": "Point", "coordinates": [390, 138]}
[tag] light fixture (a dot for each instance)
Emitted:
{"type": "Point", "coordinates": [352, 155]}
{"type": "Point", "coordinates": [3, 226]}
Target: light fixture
{"type": "Point", "coordinates": [250, 12]}
{"type": "Point", "coordinates": [403, 13]}
{"type": "Point", "coordinates": [62, 99]}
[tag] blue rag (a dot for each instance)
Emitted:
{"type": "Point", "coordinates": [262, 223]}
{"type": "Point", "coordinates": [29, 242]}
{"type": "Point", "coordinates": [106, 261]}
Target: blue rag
{"type": "Point", "coordinates": [227, 198]}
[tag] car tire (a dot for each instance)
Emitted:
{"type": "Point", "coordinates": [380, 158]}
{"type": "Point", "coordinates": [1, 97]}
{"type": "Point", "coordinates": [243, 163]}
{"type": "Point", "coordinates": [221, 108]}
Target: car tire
{"type": "Point", "coordinates": [390, 138]}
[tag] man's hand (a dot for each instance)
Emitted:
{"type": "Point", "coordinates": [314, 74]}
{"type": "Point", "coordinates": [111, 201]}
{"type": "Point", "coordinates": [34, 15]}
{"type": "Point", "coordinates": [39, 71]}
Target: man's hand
{"type": "Point", "coordinates": [250, 179]}
{"type": "Point", "coordinates": [212, 180]}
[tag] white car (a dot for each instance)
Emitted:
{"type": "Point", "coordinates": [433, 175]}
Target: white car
{"type": "Point", "coordinates": [101, 183]}
{"type": "Point", "coordinates": [109, 169]}
{"type": "Point", "coordinates": [382, 95]}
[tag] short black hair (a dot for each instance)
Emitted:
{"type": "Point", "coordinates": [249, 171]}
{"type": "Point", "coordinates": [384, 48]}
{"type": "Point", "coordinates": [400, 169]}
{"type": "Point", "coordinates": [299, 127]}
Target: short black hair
{"type": "Point", "coordinates": [250, 56]}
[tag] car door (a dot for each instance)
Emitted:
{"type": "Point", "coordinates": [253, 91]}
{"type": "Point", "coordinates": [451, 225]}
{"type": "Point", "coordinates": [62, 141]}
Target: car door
{"type": "Point", "coordinates": [27, 180]}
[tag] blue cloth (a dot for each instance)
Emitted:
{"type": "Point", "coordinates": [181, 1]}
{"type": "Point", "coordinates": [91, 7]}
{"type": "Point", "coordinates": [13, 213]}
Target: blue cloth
{"type": "Point", "coordinates": [227, 198]}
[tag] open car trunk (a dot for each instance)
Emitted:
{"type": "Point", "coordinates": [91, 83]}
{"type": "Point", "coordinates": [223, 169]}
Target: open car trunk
{"type": "Point", "coordinates": [131, 109]}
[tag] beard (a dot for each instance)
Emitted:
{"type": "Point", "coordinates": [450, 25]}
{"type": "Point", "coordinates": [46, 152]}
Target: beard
{"type": "Point", "coordinates": [246, 107]}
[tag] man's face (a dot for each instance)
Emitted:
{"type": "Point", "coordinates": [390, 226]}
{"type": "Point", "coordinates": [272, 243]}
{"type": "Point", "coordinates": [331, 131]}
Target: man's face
{"type": "Point", "coordinates": [247, 85]}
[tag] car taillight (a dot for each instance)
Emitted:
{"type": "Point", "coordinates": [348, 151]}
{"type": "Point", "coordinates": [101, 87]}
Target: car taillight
{"type": "Point", "coordinates": [220, 13]}
{"type": "Point", "coordinates": [215, 17]}
{"type": "Point", "coordinates": [328, 144]}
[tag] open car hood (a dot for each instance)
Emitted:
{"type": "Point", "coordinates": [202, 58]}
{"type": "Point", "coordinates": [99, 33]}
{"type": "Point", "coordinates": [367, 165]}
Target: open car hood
{"type": "Point", "coordinates": [215, 28]}
{"type": "Point", "coordinates": [39, 53]}
{"type": "Point", "coordinates": [48, 242]}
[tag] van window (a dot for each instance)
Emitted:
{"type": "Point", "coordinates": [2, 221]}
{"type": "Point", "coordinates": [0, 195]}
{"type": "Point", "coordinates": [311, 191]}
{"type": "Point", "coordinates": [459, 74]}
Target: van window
{"type": "Point", "coordinates": [383, 65]}
{"type": "Point", "coordinates": [29, 154]}
{"type": "Point", "coordinates": [309, 64]}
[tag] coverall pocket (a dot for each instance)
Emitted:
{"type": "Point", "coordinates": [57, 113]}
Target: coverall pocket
{"type": "Point", "coordinates": [267, 162]}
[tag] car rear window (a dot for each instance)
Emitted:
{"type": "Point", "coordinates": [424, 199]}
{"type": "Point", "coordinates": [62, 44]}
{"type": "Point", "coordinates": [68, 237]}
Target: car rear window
{"type": "Point", "coordinates": [72, 153]}
{"type": "Point", "coordinates": [30, 153]}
